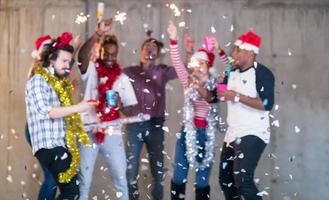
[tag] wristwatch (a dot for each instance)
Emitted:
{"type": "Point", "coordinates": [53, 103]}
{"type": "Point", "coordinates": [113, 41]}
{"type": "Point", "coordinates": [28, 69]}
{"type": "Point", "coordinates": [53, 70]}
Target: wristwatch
{"type": "Point", "coordinates": [237, 98]}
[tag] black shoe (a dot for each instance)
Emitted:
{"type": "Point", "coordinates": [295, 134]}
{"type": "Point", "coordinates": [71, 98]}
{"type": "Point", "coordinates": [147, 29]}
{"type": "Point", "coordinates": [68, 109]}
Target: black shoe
{"type": "Point", "coordinates": [177, 191]}
{"type": "Point", "coordinates": [202, 193]}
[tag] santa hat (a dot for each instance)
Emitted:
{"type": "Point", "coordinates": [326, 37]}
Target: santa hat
{"type": "Point", "coordinates": [42, 40]}
{"type": "Point", "coordinates": [203, 54]}
{"type": "Point", "coordinates": [249, 41]}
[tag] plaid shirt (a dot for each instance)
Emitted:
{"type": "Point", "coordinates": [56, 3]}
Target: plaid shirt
{"type": "Point", "coordinates": [40, 97]}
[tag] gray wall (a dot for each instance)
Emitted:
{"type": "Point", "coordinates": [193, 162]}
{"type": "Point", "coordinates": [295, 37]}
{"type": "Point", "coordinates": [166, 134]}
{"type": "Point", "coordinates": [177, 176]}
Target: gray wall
{"type": "Point", "coordinates": [295, 46]}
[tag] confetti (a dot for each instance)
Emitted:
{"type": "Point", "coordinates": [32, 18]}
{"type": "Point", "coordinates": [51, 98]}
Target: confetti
{"type": "Point", "coordinates": [9, 179]}
{"type": "Point", "coordinates": [181, 24]}
{"type": "Point", "coordinates": [294, 86]}
{"type": "Point", "coordinates": [212, 29]}
{"type": "Point", "coordinates": [119, 194]}
{"type": "Point", "coordinates": [289, 52]}
{"type": "Point", "coordinates": [228, 44]}
{"type": "Point", "coordinates": [144, 160]}
{"type": "Point", "coordinates": [189, 10]}
{"type": "Point", "coordinates": [297, 130]}
{"type": "Point", "coordinates": [165, 128]}
{"type": "Point", "coordinates": [232, 28]}
{"type": "Point", "coordinates": [53, 17]}
{"type": "Point", "coordinates": [262, 193]}
{"type": "Point", "coordinates": [276, 123]}
{"type": "Point", "coordinates": [123, 44]}
{"type": "Point", "coordinates": [64, 156]}
{"type": "Point", "coordinates": [149, 5]}
{"type": "Point", "coordinates": [241, 155]}
{"type": "Point", "coordinates": [276, 107]}
{"type": "Point", "coordinates": [146, 91]}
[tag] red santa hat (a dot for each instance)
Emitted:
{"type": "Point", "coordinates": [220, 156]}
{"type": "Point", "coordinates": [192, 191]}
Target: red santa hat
{"type": "Point", "coordinates": [42, 40]}
{"type": "Point", "coordinates": [203, 54]}
{"type": "Point", "coordinates": [249, 41]}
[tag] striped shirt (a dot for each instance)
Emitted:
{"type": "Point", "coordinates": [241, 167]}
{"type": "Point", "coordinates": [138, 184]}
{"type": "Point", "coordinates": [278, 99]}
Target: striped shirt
{"type": "Point", "coordinates": [201, 107]}
{"type": "Point", "coordinates": [40, 97]}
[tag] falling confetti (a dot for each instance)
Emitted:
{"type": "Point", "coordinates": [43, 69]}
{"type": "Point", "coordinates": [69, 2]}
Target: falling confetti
{"type": "Point", "coordinates": [212, 29]}
{"type": "Point", "coordinates": [294, 86]}
{"type": "Point", "coordinates": [189, 10]}
{"type": "Point", "coordinates": [297, 130]}
{"type": "Point", "coordinates": [64, 156]}
{"type": "Point", "coordinates": [146, 91]}
{"type": "Point", "coordinates": [276, 123]}
{"type": "Point", "coordinates": [228, 44]}
{"type": "Point", "coordinates": [149, 5]}
{"type": "Point", "coordinates": [232, 28]}
{"type": "Point", "coordinates": [123, 44]}
{"type": "Point", "coordinates": [262, 193]}
{"type": "Point", "coordinates": [165, 128]}
{"type": "Point", "coordinates": [181, 24]}
{"type": "Point", "coordinates": [9, 179]}
{"type": "Point", "coordinates": [276, 107]}
{"type": "Point", "coordinates": [289, 52]}
{"type": "Point", "coordinates": [120, 17]}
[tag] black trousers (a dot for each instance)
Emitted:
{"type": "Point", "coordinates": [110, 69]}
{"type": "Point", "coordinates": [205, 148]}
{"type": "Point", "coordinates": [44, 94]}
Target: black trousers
{"type": "Point", "coordinates": [58, 160]}
{"type": "Point", "coordinates": [237, 166]}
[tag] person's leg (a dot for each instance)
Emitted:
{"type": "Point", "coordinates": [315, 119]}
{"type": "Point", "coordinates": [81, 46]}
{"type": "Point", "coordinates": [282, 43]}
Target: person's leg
{"type": "Point", "coordinates": [247, 153]}
{"type": "Point", "coordinates": [154, 145]}
{"type": "Point", "coordinates": [181, 167]}
{"type": "Point", "coordinates": [48, 187]}
{"type": "Point", "coordinates": [115, 158]}
{"type": "Point", "coordinates": [52, 159]}
{"type": "Point", "coordinates": [226, 178]}
{"type": "Point", "coordinates": [202, 188]}
{"type": "Point", "coordinates": [135, 144]}
{"type": "Point", "coordinates": [88, 156]}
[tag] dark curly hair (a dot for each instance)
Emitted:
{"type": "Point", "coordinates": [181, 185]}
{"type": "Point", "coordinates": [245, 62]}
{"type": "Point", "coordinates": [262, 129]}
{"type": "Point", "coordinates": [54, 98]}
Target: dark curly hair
{"type": "Point", "coordinates": [51, 52]}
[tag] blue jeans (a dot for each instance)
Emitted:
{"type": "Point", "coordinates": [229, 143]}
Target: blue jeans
{"type": "Point", "coordinates": [48, 187]}
{"type": "Point", "coordinates": [151, 133]}
{"type": "Point", "coordinates": [181, 166]}
{"type": "Point", "coordinates": [115, 157]}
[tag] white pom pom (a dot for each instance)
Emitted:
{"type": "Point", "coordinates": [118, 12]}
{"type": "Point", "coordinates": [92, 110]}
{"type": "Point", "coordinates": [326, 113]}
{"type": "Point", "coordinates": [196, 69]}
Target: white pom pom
{"type": "Point", "coordinates": [35, 54]}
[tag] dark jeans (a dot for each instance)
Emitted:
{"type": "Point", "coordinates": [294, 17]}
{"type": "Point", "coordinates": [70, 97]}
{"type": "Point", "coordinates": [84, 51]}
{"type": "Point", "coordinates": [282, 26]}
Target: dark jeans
{"type": "Point", "coordinates": [56, 162]}
{"type": "Point", "coordinates": [237, 166]}
{"type": "Point", "coordinates": [48, 187]}
{"type": "Point", "coordinates": [151, 133]}
{"type": "Point", "coordinates": [182, 165]}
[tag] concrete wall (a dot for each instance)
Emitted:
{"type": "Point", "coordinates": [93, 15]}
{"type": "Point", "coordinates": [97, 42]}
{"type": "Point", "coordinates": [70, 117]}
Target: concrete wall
{"type": "Point", "coordinates": [295, 46]}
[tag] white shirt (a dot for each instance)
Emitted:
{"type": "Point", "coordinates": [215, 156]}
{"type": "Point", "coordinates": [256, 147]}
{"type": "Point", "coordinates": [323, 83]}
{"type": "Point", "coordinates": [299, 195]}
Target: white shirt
{"type": "Point", "coordinates": [90, 82]}
{"type": "Point", "coordinates": [244, 120]}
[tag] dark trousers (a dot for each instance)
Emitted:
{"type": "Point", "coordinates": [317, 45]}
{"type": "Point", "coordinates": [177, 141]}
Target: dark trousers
{"type": "Point", "coordinates": [237, 166]}
{"type": "Point", "coordinates": [151, 133]}
{"type": "Point", "coordinates": [58, 160]}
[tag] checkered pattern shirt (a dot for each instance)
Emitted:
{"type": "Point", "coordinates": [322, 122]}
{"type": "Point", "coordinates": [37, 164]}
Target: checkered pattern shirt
{"type": "Point", "coordinates": [45, 132]}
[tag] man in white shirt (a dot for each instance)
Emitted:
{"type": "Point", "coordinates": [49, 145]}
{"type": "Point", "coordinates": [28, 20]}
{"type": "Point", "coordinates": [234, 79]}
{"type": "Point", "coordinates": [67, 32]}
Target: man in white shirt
{"type": "Point", "coordinates": [101, 75]}
{"type": "Point", "coordinates": [250, 98]}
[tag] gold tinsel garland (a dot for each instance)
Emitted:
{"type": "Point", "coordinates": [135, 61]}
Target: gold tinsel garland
{"type": "Point", "coordinates": [74, 128]}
